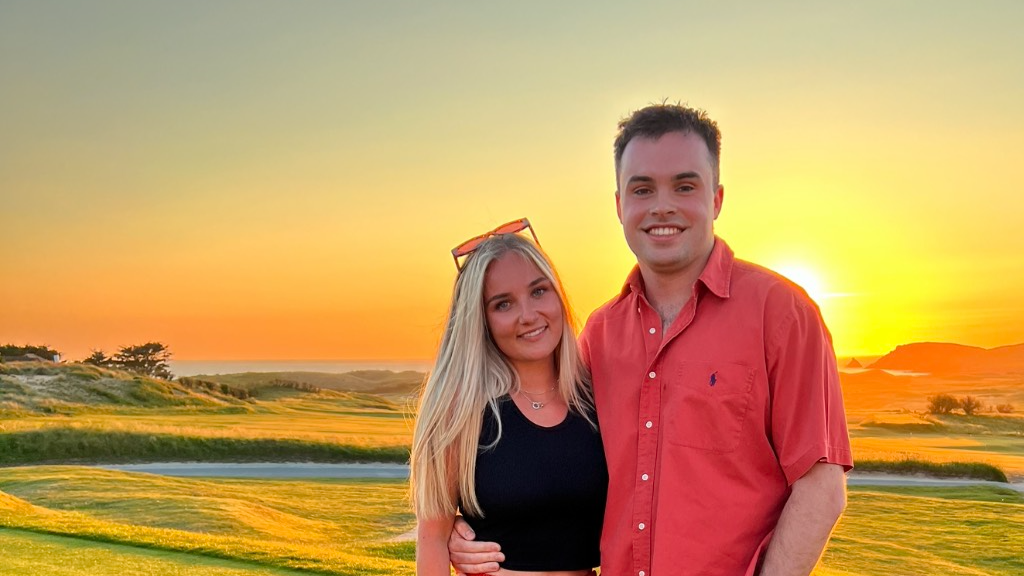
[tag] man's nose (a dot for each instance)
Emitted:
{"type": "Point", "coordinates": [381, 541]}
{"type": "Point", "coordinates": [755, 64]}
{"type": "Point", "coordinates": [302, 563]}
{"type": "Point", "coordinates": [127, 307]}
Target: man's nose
{"type": "Point", "coordinates": [662, 204]}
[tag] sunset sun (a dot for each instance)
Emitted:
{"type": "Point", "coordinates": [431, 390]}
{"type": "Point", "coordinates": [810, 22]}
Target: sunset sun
{"type": "Point", "coordinates": [807, 278]}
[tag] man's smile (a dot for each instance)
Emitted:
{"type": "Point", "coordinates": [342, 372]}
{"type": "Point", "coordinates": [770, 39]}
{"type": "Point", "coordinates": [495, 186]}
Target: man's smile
{"type": "Point", "coordinates": [664, 231]}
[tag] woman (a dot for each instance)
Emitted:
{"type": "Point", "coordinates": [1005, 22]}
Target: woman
{"type": "Point", "coordinates": [506, 432]}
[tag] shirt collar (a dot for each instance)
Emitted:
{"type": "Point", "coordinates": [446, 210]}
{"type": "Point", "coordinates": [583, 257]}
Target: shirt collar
{"type": "Point", "coordinates": [716, 276]}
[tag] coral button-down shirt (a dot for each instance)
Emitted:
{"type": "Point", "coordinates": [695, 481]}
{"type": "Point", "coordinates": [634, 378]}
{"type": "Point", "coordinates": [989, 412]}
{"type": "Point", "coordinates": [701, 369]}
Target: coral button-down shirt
{"type": "Point", "coordinates": [706, 426]}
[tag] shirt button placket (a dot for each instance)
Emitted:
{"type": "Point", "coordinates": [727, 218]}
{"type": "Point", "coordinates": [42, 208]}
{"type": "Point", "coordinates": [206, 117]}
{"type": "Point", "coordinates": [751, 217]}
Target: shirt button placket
{"type": "Point", "coordinates": [648, 425]}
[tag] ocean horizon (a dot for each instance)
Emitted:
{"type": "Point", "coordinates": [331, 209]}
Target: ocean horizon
{"type": "Point", "coordinates": [212, 367]}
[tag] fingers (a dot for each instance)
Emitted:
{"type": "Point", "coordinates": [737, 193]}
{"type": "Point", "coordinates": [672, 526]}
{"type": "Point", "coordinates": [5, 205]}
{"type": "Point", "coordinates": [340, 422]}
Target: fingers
{"type": "Point", "coordinates": [458, 546]}
{"type": "Point", "coordinates": [485, 568]}
{"type": "Point", "coordinates": [462, 529]}
{"type": "Point", "coordinates": [469, 556]}
{"type": "Point", "coordinates": [475, 557]}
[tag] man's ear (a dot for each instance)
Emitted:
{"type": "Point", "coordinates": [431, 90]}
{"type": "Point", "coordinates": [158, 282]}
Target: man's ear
{"type": "Point", "coordinates": [618, 206]}
{"type": "Point", "coordinates": [719, 195]}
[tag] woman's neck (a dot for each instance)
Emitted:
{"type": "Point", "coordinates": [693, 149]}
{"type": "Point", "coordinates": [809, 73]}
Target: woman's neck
{"type": "Point", "coordinates": [536, 376]}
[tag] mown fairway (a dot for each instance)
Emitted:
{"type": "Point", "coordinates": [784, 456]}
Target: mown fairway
{"type": "Point", "coordinates": [338, 527]}
{"type": "Point", "coordinates": [46, 555]}
{"type": "Point", "coordinates": [126, 522]}
{"type": "Point", "coordinates": [928, 531]}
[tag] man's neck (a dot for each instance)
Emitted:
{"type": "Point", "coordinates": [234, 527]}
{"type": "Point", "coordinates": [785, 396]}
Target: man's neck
{"type": "Point", "coordinates": [668, 292]}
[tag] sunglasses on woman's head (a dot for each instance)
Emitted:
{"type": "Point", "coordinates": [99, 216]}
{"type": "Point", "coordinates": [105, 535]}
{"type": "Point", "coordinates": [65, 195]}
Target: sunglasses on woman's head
{"type": "Point", "coordinates": [513, 227]}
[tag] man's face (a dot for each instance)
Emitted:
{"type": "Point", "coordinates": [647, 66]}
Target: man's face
{"type": "Point", "coordinates": [667, 201]}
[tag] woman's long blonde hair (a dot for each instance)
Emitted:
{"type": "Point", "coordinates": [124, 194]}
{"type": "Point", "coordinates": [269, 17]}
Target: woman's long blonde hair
{"type": "Point", "coordinates": [469, 375]}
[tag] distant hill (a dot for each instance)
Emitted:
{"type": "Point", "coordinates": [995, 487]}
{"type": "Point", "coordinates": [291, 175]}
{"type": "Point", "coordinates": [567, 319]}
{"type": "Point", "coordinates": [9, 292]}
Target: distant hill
{"type": "Point", "coordinates": [872, 377]}
{"type": "Point", "coordinates": [948, 358]}
{"type": "Point", "coordinates": [854, 363]}
{"type": "Point", "coordinates": [380, 382]}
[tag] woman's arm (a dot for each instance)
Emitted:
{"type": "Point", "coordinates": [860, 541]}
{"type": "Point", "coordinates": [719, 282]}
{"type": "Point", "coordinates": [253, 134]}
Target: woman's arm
{"type": "Point", "coordinates": [432, 546]}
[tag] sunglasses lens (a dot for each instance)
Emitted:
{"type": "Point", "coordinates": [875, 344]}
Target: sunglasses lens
{"type": "Point", "coordinates": [467, 247]}
{"type": "Point", "coordinates": [512, 227]}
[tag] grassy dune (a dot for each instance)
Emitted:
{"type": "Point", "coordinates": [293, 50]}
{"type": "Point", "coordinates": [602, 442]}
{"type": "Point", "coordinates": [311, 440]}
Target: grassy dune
{"type": "Point", "coordinates": [76, 413]}
{"type": "Point", "coordinates": [995, 440]}
{"type": "Point", "coordinates": [377, 382]}
{"type": "Point", "coordinates": [887, 418]}
{"type": "Point", "coordinates": [336, 527]}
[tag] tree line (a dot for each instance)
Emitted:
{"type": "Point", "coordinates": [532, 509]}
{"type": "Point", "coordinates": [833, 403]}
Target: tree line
{"type": "Point", "coordinates": [149, 359]}
{"type": "Point", "coordinates": [970, 405]}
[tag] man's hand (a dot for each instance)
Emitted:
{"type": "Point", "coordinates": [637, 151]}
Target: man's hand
{"type": "Point", "coordinates": [469, 557]}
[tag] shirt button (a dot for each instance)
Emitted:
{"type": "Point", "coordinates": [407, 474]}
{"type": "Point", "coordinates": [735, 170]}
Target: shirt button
{"type": "Point", "coordinates": [641, 526]}
{"type": "Point", "coordinates": [652, 374]}
{"type": "Point", "coordinates": [649, 424]}
{"type": "Point", "coordinates": [644, 477]}
{"type": "Point", "coordinates": [652, 330]}
{"type": "Point", "coordinates": [641, 573]}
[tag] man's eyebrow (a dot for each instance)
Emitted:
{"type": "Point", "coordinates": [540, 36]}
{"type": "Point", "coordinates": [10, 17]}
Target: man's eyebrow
{"type": "Point", "coordinates": [539, 280]}
{"type": "Point", "coordinates": [691, 175]}
{"type": "Point", "coordinates": [639, 179]}
{"type": "Point", "coordinates": [687, 176]}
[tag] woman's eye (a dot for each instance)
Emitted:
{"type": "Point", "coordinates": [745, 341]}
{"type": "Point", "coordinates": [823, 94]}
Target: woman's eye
{"type": "Point", "coordinates": [503, 305]}
{"type": "Point", "coordinates": [540, 291]}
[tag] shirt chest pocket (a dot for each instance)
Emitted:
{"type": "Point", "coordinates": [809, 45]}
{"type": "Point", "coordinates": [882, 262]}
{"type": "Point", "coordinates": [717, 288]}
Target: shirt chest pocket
{"type": "Point", "coordinates": [706, 404]}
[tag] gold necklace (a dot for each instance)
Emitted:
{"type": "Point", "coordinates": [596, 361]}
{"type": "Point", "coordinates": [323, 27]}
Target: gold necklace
{"type": "Point", "coordinates": [534, 403]}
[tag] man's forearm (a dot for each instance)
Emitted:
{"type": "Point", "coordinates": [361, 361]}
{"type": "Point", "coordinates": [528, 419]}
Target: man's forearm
{"type": "Point", "coordinates": [814, 506]}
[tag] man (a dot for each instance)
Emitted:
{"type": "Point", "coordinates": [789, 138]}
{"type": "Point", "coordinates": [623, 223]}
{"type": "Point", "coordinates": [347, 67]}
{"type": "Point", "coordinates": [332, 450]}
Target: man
{"type": "Point", "coordinates": [715, 382]}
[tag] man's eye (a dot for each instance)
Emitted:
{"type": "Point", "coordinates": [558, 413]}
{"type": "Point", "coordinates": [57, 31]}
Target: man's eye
{"type": "Point", "coordinates": [641, 191]}
{"type": "Point", "coordinates": [685, 188]}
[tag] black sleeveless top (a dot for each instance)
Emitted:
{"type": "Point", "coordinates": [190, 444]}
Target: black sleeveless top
{"type": "Point", "coordinates": [542, 491]}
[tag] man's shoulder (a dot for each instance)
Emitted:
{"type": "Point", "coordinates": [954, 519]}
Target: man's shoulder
{"type": "Point", "coordinates": [750, 280]}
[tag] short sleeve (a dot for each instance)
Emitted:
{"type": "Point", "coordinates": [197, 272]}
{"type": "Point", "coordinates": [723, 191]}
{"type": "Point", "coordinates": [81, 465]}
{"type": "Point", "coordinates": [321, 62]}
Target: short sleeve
{"type": "Point", "coordinates": [808, 424]}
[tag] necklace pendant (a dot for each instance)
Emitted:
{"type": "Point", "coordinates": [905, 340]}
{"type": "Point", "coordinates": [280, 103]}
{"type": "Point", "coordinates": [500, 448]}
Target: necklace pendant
{"type": "Point", "coordinates": [536, 405]}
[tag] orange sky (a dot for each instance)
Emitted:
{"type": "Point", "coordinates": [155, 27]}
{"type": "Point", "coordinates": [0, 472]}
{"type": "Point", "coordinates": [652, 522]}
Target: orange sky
{"type": "Point", "coordinates": [280, 181]}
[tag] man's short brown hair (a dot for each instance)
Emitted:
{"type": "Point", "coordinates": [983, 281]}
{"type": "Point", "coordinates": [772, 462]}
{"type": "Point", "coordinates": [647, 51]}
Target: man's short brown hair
{"type": "Point", "coordinates": [656, 120]}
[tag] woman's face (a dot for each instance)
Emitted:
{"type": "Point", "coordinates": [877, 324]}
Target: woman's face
{"type": "Point", "coordinates": [523, 310]}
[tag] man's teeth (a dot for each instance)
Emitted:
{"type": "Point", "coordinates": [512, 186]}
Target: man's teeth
{"type": "Point", "coordinates": [663, 231]}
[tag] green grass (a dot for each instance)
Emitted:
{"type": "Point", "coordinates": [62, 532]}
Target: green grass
{"type": "Point", "coordinates": [966, 493]}
{"type": "Point", "coordinates": [376, 382]}
{"type": "Point", "coordinates": [117, 519]}
{"type": "Point", "coordinates": [908, 532]}
{"type": "Point", "coordinates": [47, 555]}
{"type": "Point", "coordinates": [335, 527]}
{"type": "Point", "coordinates": [55, 445]}
{"type": "Point", "coordinates": [975, 470]}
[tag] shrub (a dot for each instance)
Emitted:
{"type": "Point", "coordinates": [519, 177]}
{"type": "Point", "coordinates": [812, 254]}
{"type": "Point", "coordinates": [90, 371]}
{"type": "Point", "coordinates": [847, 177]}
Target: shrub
{"type": "Point", "coordinates": [942, 404]}
{"type": "Point", "coordinates": [970, 405]}
{"type": "Point", "coordinates": [1004, 408]}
